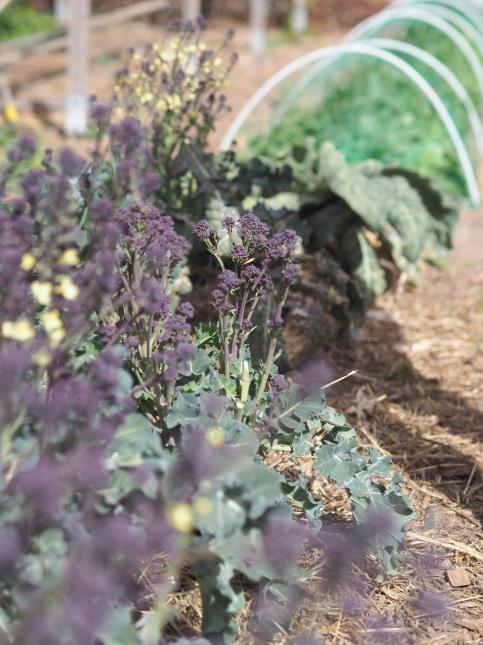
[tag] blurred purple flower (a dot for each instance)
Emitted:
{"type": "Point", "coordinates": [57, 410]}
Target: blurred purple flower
{"type": "Point", "coordinates": [314, 374]}
{"type": "Point", "coordinates": [71, 164]}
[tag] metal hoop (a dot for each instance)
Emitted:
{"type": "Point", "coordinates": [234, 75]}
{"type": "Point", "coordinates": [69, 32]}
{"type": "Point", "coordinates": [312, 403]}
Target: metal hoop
{"type": "Point", "coordinates": [395, 61]}
{"type": "Point", "coordinates": [457, 20]}
{"type": "Point", "coordinates": [472, 10]}
{"type": "Point", "coordinates": [419, 15]}
{"type": "Point", "coordinates": [417, 53]}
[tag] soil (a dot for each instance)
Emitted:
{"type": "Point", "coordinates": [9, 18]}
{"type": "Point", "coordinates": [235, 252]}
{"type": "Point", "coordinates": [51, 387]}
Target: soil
{"type": "Point", "coordinates": [417, 394]}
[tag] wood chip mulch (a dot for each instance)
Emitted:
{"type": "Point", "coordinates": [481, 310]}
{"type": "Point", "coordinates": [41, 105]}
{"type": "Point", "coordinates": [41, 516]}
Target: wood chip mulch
{"type": "Point", "coordinates": [417, 396]}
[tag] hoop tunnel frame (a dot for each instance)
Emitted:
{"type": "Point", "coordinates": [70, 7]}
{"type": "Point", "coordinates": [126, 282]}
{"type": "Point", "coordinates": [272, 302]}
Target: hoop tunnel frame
{"type": "Point", "coordinates": [420, 15]}
{"type": "Point", "coordinates": [366, 50]}
{"type": "Point", "coordinates": [416, 52]}
{"type": "Point", "coordinates": [455, 19]}
{"type": "Point", "coordinates": [471, 8]}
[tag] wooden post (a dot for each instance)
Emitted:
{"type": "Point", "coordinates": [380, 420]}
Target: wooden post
{"type": "Point", "coordinates": [258, 20]}
{"type": "Point", "coordinates": [61, 10]}
{"type": "Point", "coordinates": [75, 123]}
{"type": "Point", "coordinates": [191, 9]}
{"type": "Point", "coordinates": [299, 19]}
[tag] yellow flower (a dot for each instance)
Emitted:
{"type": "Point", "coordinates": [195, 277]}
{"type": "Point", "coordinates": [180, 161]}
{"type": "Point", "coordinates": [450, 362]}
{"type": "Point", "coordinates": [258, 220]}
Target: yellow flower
{"type": "Point", "coordinates": [41, 358]}
{"type": "Point", "coordinates": [215, 436]}
{"type": "Point", "coordinates": [249, 202]}
{"type": "Point", "coordinates": [67, 288]}
{"type": "Point", "coordinates": [56, 337]}
{"type": "Point", "coordinates": [118, 113]}
{"type": "Point", "coordinates": [21, 330]}
{"type": "Point", "coordinates": [180, 516]}
{"type": "Point", "coordinates": [217, 62]}
{"type": "Point", "coordinates": [10, 113]}
{"type": "Point", "coordinates": [203, 506]}
{"type": "Point", "coordinates": [53, 326]}
{"type": "Point", "coordinates": [51, 320]}
{"type": "Point", "coordinates": [147, 97]}
{"type": "Point", "coordinates": [42, 292]}
{"type": "Point", "coordinates": [70, 258]}
{"type": "Point", "coordinates": [28, 262]}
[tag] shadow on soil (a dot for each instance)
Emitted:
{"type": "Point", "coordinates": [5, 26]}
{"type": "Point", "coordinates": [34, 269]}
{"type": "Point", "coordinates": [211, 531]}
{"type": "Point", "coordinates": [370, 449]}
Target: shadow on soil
{"type": "Point", "coordinates": [414, 404]}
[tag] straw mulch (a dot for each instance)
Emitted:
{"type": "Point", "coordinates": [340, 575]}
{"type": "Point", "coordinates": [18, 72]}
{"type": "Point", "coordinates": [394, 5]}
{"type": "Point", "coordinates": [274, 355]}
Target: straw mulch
{"type": "Point", "coordinates": [418, 396]}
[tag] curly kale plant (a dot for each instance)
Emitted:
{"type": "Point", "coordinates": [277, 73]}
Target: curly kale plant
{"type": "Point", "coordinates": [363, 226]}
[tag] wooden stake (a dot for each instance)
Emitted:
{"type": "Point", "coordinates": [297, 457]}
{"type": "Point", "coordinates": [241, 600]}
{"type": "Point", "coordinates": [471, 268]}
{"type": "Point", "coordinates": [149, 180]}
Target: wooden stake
{"type": "Point", "coordinates": [299, 19]}
{"type": "Point", "coordinates": [258, 21]}
{"type": "Point", "coordinates": [61, 10]}
{"type": "Point", "coordinates": [75, 123]}
{"type": "Point", "coordinates": [191, 9]}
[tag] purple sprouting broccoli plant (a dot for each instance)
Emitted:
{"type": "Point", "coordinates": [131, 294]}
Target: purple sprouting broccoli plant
{"type": "Point", "coordinates": [152, 137]}
{"type": "Point", "coordinates": [256, 254]}
{"type": "Point", "coordinates": [81, 498]}
{"type": "Point", "coordinates": [102, 467]}
{"type": "Point", "coordinates": [149, 319]}
{"type": "Point", "coordinates": [295, 415]}
{"type": "Point", "coordinates": [175, 86]}
{"type": "Point", "coordinates": [127, 430]}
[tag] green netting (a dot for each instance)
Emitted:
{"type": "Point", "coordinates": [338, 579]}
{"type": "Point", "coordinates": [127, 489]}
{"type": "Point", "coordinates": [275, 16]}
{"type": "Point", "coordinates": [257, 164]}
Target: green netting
{"type": "Point", "coordinates": [472, 12]}
{"type": "Point", "coordinates": [437, 44]}
{"type": "Point", "coordinates": [370, 110]}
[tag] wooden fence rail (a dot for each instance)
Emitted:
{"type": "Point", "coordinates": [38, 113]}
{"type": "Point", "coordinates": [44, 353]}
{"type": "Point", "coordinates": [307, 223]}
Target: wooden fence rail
{"type": "Point", "coordinates": [75, 24]}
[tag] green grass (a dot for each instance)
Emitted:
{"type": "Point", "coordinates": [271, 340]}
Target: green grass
{"type": "Point", "coordinates": [19, 20]}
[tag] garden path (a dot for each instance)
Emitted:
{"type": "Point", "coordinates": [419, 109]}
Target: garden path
{"type": "Point", "coordinates": [419, 396]}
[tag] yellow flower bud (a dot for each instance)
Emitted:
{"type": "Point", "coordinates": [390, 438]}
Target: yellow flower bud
{"type": "Point", "coordinates": [56, 336]}
{"type": "Point", "coordinates": [10, 113]}
{"type": "Point", "coordinates": [51, 320]}
{"type": "Point", "coordinates": [28, 262]}
{"type": "Point", "coordinates": [180, 516]}
{"type": "Point", "coordinates": [215, 436]}
{"type": "Point", "coordinates": [42, 292]}
{"type": "Point", "coordinates": [41, 358]}
{"type": "Point", "coordinates": [21, 330]}
{"type": "Point", "coordinates": [70, 258]}
{"type": "Point", "coordinates": [67, 288]}
{"type": "Point", "coordinates": [53, 326]}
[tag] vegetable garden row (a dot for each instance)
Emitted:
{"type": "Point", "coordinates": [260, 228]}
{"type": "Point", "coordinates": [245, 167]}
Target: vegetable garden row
{"type": "Point", "coordinates": [148, 387]}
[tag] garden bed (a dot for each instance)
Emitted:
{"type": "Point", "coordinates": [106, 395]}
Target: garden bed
{"type": "Point", "coordinates": [196, 447]}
